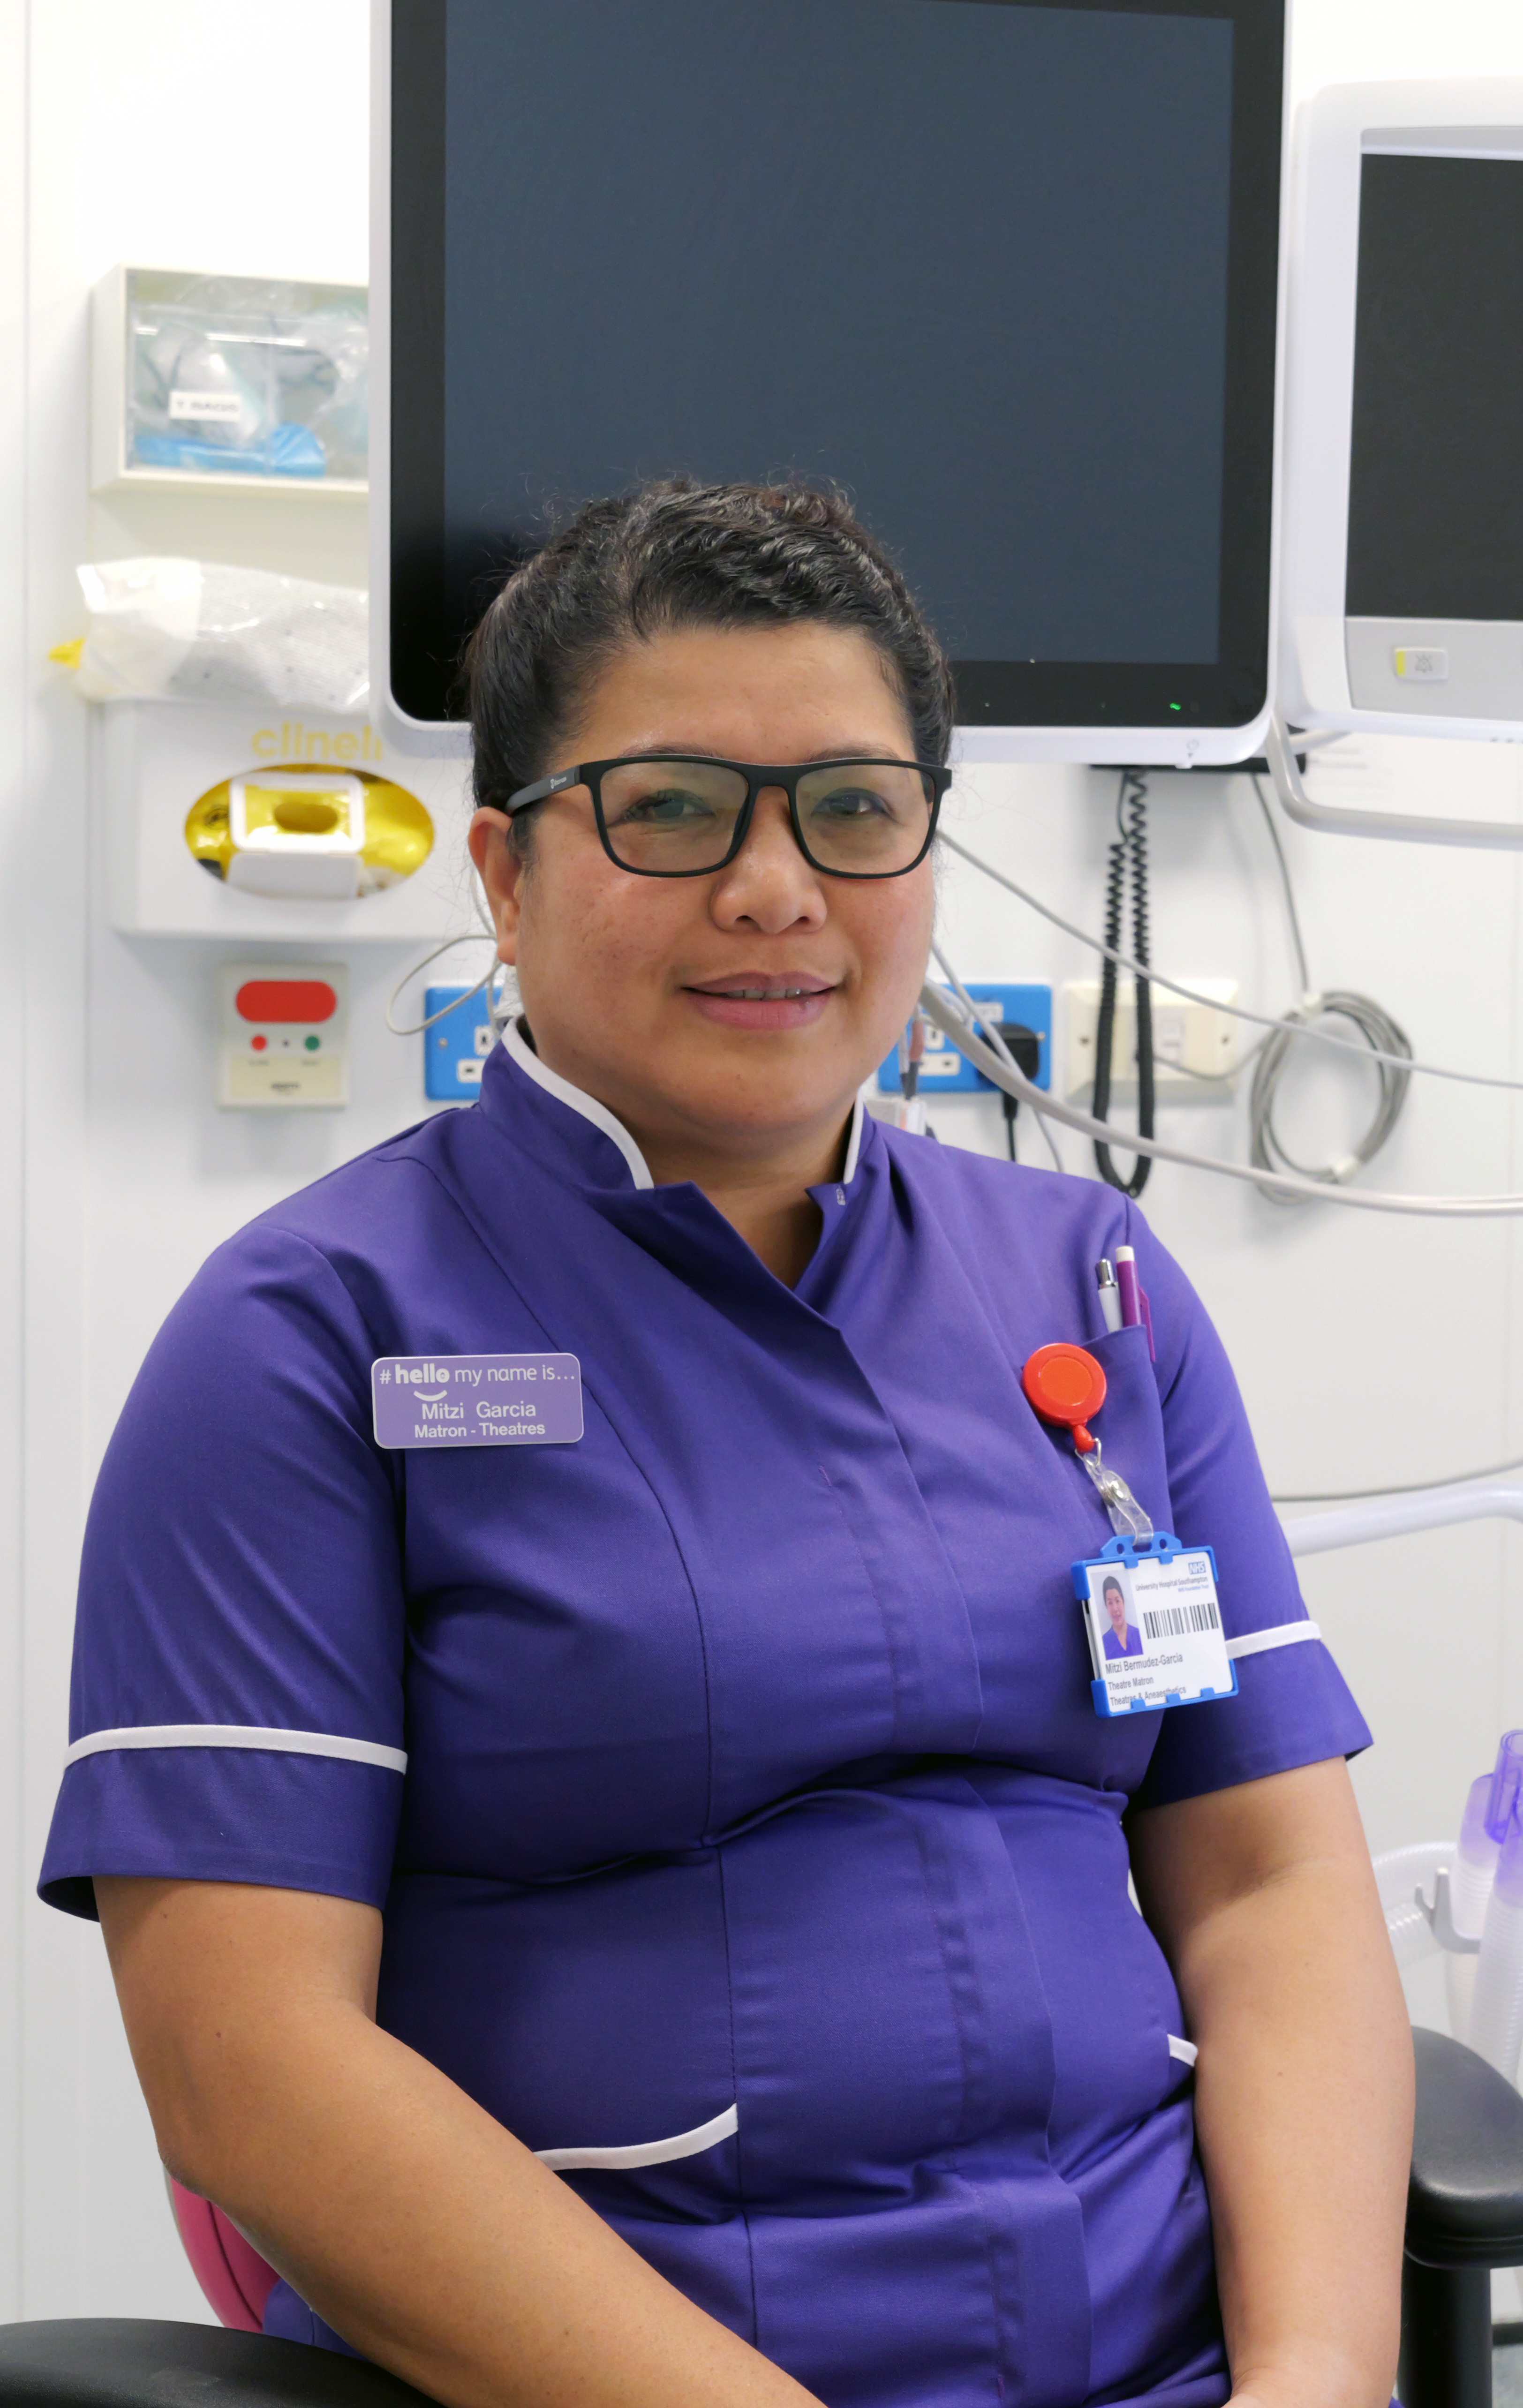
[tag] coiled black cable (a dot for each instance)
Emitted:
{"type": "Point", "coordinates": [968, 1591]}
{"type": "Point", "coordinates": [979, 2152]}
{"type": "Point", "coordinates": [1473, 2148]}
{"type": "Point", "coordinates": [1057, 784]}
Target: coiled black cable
{"type": "Point", "coordinates": [1129, 851]}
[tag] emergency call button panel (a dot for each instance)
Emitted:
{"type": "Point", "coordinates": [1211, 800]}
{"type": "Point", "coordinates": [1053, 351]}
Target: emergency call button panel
{"type": "Point", "coordinates": [284, 1037]}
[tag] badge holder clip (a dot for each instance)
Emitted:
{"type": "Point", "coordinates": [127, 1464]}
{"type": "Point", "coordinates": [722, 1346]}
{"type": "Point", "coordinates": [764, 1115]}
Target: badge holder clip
{"type": "Point", "coordinates": [1149, 1604]}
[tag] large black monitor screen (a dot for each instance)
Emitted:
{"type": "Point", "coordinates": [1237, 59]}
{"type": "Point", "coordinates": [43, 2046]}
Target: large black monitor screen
{"type": "Point", "coordinates": [1436, 526]}
{"type": "Point", "coordinates": [1006, 273]}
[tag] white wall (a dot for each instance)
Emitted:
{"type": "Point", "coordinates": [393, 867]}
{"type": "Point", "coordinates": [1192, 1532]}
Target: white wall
{"type": "Point", "coordinates": [159, 131]}
{"type": "Point", "coordinates": [1369, 1348]}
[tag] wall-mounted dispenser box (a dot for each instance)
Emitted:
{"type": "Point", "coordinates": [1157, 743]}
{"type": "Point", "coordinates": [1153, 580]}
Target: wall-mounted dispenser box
{"type": "Point", "coordinates": [223, 823]}
{"type": "Point", "coordinates": [228, 380]}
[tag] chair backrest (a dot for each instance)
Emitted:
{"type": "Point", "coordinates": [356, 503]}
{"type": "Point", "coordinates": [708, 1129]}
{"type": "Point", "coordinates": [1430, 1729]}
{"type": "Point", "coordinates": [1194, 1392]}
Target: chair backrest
{"type": "Point", "coordinates": [235, 2279]}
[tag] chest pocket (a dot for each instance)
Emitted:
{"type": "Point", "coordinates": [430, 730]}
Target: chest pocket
{"type": "Point", "coordinates": [1130, 1427]}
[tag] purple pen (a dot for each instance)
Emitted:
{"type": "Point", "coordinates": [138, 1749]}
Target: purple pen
{"type": "Point", "coordinates": [1126, 1280]}
{"type": "Point", "coordinates": [1134, 1305]}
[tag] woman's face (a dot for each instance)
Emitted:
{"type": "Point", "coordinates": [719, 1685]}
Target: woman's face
{"type": "Point", "coordinates": [1115, 1606]}
{"type": "Point", "coordinates": [735, 1013]}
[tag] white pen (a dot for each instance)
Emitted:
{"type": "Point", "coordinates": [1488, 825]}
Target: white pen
{"type": "Point", "coordinates": [1110, 1295]}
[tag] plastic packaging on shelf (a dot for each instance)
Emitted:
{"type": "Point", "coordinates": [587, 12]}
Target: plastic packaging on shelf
{"type": "Point", "coordinates": [190, 631]}
{"type": "Point", "coordinates": [237, 375]}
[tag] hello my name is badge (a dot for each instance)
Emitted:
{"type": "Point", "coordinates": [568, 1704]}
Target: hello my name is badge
{"type": "Point", "coordinates": [447, 1401]}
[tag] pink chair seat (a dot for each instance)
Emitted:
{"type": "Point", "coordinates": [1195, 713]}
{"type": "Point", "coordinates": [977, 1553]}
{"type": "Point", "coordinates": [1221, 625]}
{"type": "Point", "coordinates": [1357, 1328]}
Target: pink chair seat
{"type": "Point", "coordinates": [235, 2279]}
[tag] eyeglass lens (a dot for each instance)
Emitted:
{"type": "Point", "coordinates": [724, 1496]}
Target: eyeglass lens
{"type": "Point", "coordinates": [867, 817]}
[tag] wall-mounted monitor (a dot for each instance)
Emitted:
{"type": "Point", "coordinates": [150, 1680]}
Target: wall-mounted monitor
{"type": "Point", "coordinates": [1007, 273]}
{"type": "Point", "coordinates": [1402, 565]}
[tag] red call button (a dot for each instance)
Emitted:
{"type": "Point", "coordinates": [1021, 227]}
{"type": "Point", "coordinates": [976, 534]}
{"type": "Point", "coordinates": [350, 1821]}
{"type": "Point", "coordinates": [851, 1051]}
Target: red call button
{"type": "Point", "coordinates": [287, 999]}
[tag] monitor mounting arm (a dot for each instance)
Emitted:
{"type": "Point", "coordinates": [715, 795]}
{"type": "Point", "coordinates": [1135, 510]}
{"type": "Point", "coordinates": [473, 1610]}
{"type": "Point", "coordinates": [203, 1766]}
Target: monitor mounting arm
{"type": "Point", "coordinates": [1405, 827]}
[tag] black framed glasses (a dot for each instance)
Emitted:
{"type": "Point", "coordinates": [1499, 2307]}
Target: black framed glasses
{"type": "Point", "coordinates": [684, 815]}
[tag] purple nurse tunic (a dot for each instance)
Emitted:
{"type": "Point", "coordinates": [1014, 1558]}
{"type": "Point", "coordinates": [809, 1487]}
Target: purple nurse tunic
{"type": "Point", "coordinates": [747, 1839]}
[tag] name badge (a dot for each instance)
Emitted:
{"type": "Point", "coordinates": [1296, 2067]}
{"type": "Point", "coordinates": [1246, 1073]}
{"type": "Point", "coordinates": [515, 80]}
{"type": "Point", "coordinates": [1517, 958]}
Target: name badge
{"type": "Point", "coordinates": [1154, 1626]}
{"type": "Point", "coordinates": [502, 1400]}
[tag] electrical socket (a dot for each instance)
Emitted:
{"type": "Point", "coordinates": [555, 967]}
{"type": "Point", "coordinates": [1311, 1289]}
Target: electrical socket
{"type": "Point", "coordinates": [1194, 1044]}
{"type": "Point", "coordinates": [944, 1072]}
{"type": "Point", "coordinates": [456, 1045]}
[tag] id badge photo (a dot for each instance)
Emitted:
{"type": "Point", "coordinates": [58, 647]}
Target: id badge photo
{"type": "Point", "coordinates": [1154, 1626]}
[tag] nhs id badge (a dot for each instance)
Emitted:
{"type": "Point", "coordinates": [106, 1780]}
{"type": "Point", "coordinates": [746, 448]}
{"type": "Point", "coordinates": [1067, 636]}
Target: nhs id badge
{"type": "Point", "coordinates": [1154, 1626]}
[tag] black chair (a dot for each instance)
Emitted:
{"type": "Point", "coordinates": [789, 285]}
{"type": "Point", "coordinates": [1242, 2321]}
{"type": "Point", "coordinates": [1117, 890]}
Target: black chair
{"type": "Point", "coordinates": [1464, 2216]}
{"type": "Point", "coordinates": [135, 2362]}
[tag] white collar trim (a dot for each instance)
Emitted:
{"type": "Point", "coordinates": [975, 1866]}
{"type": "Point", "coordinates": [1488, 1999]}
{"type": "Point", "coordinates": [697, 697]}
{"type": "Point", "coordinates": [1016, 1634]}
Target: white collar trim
{"type": "Point", "coordinates": [588, 1106]}
{"type": "Point", "coordinates": [853, 1143]}
{"type": "Point", "coordinates": [601, 1118]}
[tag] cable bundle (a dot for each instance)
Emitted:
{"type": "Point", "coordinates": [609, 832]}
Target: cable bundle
{"type": "Point", "coordinates": [1388, 1045]}
{"type": "Point", "coordinates": [1381, 1033]}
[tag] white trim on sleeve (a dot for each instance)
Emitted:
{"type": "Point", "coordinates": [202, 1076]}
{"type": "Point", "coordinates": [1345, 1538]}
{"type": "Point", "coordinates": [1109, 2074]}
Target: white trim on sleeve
{"type": "Point", "coordinates": [1283, 1634]}
{"type": "Point", "coordinates": [1184, 2050]}
{"type": "Point", "coordinates": [645, 2152]}
{"type": "Point", "coordinates": [271, 1742]}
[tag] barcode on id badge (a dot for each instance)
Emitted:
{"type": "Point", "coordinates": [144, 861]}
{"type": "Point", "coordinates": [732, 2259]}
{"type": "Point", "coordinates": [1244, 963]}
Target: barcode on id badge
{"type": "Point", "coordinates": [1173, 1621]}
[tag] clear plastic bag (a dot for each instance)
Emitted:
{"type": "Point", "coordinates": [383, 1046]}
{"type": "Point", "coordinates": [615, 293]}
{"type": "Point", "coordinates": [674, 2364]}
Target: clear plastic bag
{"type": "Point", "coordinates": [233, 375]}
{"type": "Point", "coordinates": [191, 631]}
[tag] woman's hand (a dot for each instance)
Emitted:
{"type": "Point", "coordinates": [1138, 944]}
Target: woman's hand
{"type": "Point", "coordinates": [418, 2228]}
{"type": "Point", "coordinates": [1264, 1901]}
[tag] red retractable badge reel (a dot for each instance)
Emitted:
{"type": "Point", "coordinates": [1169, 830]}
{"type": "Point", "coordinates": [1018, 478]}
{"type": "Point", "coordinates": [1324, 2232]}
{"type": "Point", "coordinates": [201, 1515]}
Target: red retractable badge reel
{"type": "Point", "coordinates": [1065, 1385]}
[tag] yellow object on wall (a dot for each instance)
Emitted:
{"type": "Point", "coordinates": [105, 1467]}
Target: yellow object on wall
{"type": "Point", "coordinates": [295, 830]}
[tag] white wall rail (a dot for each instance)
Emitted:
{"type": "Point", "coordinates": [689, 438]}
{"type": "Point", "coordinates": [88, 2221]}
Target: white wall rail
{"type": "Point", "coordinates": [1396, 1517]}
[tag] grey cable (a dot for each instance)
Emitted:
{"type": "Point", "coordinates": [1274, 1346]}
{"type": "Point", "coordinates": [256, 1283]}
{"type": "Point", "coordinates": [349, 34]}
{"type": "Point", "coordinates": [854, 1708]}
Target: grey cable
{"type": "Point", "coordinates": [961, 1024]}
{"type": "Point", "coordinates": [1385, 1037]}
{"type": "Point", "coordinates": [497, 1010]}
{"type": "Point", "coordinates": [993, 1036]}
{"type": "Point", "coordinates": [416, 1027]}
{"type": "Point", "coordinates": [1233, 1010]}
{"type": "Point", "coordinates": [1045, 1126]}
{"type": "Point", "coordinates": [1291, 913]}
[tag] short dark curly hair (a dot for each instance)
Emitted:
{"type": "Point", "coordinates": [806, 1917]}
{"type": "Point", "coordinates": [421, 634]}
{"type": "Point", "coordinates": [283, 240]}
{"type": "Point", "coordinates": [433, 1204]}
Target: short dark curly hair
{"type": "Point", "coordinates": [678, 554]}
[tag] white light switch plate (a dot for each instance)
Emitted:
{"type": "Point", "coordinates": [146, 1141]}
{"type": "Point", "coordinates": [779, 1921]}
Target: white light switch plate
{"type": "Point", "coordinates": [1194, 1044]}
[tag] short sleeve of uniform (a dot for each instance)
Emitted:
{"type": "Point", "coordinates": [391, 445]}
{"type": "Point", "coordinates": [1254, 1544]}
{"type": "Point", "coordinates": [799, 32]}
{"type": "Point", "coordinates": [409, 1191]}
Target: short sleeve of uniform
{"type": "Point", "coordinates": [236, 1704]}
{"type": "Point", "coordinates": [1293, 1706]}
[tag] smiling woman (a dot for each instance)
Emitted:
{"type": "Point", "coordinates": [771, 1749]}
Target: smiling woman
{"type": "Point", "coordinates": [675, 643]}
{"type": "Point", "coordinates": [727, 1016]}
{"type": "Point", "coordinates": [639, 1914]}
